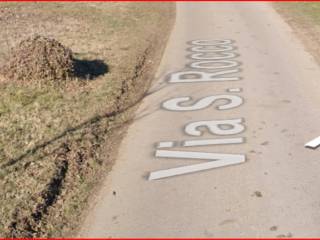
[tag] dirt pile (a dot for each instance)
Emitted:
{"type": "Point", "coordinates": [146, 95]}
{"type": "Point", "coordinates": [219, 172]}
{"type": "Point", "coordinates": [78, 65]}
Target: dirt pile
{"type": "Point", "coordinates": [39, 58]}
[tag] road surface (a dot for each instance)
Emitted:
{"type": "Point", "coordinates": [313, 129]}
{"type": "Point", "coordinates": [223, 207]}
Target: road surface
{"type": "Point", "coordinates": [255, 118]}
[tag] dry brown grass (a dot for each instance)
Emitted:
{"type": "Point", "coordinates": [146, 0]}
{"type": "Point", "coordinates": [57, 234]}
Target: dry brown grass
{"type": "Point", "coordinates": [51, 138]}
{"type": "Point", "coordinates": [304, 18]}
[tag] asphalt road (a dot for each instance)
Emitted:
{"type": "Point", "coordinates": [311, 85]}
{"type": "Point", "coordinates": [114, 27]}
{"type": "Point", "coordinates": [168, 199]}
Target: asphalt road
{"type": "Point", "coordinates": [261, 102]}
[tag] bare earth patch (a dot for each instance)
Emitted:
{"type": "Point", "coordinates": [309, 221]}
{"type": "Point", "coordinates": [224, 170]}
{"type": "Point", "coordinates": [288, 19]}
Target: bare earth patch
{"type": "Point", "coordinates": [39, 59]}
{"type": "Point", "coordinates": [58, 141]}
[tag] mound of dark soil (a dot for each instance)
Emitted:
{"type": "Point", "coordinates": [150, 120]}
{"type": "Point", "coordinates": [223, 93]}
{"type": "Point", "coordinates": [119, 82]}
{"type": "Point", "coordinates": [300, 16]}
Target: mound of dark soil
{"type": "Point", "coordinates": [39, 58]}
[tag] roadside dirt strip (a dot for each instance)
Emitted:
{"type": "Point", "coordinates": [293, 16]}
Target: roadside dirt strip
{"type": "Point", "coordinates": [217, 146]}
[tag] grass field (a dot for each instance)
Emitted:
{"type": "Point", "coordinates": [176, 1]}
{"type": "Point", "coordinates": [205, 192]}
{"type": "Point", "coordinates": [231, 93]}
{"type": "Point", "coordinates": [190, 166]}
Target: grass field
{"type": "Point", "coordinates": [57, 142]}
{"type": "Point", "coordinates": [304, 18]}
{"type": "Point", "coordinates": [301, 10]}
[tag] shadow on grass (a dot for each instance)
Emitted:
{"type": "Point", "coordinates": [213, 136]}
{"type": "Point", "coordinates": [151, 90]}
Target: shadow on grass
{"type": "Point", "coordinates": [90, 69]}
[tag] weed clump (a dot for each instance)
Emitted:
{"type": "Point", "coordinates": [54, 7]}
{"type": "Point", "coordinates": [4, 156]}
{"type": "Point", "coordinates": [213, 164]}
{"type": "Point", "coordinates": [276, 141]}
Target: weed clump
{"type": "Point", "coordinates": [39, 58]}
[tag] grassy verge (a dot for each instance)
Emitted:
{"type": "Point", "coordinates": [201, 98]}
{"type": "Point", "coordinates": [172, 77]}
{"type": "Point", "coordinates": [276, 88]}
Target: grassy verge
{"type": "Point", "coordinates": [304, 18]}
{"type": "Point", "coordinates": [56, 143]}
